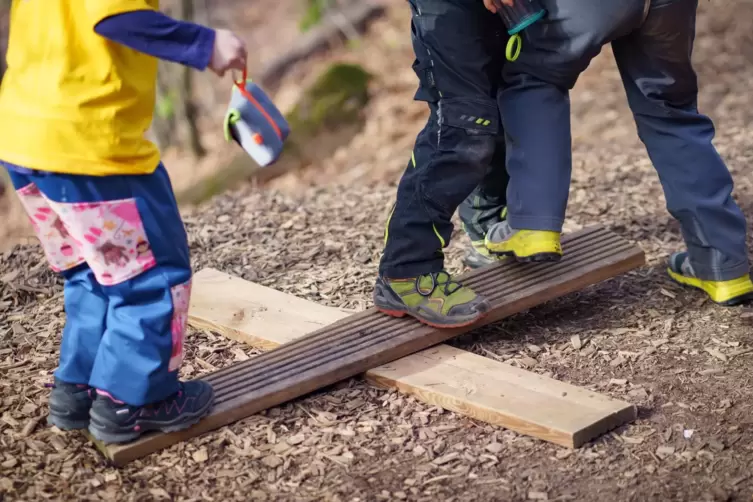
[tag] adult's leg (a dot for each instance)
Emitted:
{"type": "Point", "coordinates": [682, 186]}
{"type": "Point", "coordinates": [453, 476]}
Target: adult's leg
{"type": "Point", "coordinates": [662, 89]}
{"type": "Point", "coordinates": [456, 43]}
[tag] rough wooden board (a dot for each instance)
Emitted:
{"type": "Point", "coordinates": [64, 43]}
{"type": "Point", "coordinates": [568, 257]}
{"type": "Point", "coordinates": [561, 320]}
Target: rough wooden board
{"type": "Point", "coordinates": [444, 376]}
{"type": "Point", "coordinates": [253, 314]}
{"type": "Point", "coordinates": [503, 395]}
{"type": "Point", "coordinates": [369, 339]}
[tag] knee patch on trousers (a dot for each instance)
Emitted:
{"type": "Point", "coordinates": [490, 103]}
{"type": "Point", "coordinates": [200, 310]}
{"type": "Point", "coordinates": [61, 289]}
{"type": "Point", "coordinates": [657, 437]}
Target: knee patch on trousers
{"type": "Point", "coordinates": [466, 141]}
{"type": "Point", "coordinates": [469, 129]}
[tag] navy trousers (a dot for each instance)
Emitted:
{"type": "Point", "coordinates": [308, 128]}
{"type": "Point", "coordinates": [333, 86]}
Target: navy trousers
{"type": "Point", "coordinates": [652, 46]}
{"type": "Point", "coordinates": [460, 153]}
{"type": "Point", "coordinates": [120, 244]}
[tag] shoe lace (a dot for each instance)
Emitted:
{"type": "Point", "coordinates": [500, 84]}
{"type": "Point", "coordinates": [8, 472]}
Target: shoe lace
{"type": "Point", "coordinates": [438, 279]}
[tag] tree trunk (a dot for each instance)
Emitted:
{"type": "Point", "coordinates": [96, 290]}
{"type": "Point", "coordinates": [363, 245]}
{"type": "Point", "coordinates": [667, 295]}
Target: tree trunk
{"type": "Point", "coordinates": [185, 108]}
{"type": "Point", "coordinates": [164, 116]}
{"type": "Point", "coordinates": [175, 108]}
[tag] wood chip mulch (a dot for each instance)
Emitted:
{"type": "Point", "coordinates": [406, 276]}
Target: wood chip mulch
{"type": "Point", "coordinates": [684, 361]}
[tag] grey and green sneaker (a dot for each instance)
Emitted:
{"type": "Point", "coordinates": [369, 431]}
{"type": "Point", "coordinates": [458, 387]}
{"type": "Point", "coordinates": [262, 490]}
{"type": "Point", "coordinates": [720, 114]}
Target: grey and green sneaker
{"type": "Point", "coordinates": [524, 245]}
{"type": "Point", "coordinates": [433, 299]}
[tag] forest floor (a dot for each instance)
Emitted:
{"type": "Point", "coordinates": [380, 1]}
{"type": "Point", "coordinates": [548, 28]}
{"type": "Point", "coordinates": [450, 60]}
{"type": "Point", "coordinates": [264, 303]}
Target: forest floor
{"type": "Point", "coordinates": [684, 361]}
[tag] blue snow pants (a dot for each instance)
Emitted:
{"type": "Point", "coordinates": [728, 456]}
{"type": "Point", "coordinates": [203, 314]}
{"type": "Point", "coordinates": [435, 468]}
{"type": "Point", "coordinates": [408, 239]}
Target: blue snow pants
{"type": "Point", "coordinates": [121, 246]}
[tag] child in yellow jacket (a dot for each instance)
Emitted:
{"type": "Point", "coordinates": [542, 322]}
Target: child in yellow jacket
{"type": "Point", "coordinates": [76, 102]}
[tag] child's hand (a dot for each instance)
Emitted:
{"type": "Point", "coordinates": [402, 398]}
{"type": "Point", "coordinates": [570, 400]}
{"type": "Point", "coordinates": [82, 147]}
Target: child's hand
{"type": "Point", "coordinates": [229, 53]}
{"type": "Point", "coordinates": [493, 5]}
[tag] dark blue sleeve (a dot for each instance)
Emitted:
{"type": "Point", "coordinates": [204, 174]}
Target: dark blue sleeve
{"type": "Point", "coordinates": [161, 36]}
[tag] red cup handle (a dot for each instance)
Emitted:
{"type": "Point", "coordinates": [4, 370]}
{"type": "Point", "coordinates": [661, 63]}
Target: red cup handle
{"type": "Point", "coordinates": [241, 85]}
{"type": "Point", "coordinates": [242, 82]}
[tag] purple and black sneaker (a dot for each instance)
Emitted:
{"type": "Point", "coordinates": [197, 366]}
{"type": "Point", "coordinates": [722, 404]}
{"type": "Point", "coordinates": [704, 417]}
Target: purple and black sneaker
{"type": "Point", "coordinates": [69, 405]}
{"type": "Point", "coordinates": [114, 421]}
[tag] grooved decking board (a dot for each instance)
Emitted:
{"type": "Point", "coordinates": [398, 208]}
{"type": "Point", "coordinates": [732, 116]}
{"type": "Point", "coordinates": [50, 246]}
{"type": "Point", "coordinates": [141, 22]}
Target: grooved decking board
{"type": "Point", "coordinates": [370, 339]}
{"type": "Point", "coordinates": [454, 379]}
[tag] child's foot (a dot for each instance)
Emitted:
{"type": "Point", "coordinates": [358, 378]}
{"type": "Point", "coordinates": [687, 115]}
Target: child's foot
{"type": "Point", "coordinates": [726, 293]}
{"type": "Point", "coordinates": [477, 256]}
{"type": "Point", "coordinates": [433, 299]}
{"type": "Point", "coordinates": [113, 421]}
{"type": "Point", "coordinates": [524, 245]}
{"type": "Point", "coordinates": [69, 405]}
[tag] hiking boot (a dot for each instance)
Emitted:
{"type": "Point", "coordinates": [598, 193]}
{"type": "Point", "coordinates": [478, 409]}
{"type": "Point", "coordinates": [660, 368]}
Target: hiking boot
{"type": "Point", "coordinates": [114, 421]}
{"type": "Point", "coordinates": [726, 293]}
{"type": "Point", "coordinates": [524, 245]}
{"type": "Point", "coordinates": [433, 299]}
{"type": "Point", "coordinates": [69, 405]}
{"type": "Point", "coordinates": [477, 256]}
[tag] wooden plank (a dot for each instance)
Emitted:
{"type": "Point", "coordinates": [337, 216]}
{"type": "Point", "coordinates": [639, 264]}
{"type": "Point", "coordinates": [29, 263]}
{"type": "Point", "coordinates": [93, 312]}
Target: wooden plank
{"type": "Point", "coordinates": [500, 394]}
{"type": "Point", "coordinates": [253, 314]}
{"type": "Point", "coordinates": [444, 376]}
{"type": "Point", "coordinates": [370, 339]}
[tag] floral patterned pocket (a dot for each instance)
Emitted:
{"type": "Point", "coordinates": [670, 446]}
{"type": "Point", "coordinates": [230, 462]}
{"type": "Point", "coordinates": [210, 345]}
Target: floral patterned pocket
{"type": "Point", "coordinates": [111, 237]}
{"type": "Point", "coordinates": [60, 248]}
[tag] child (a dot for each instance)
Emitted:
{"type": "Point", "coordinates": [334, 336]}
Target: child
{"type": "Point", "coordinates": [75, 105]}
{"type": "Point", "coordinates": [459, 48]}
{"type": "Point", "coordinates": [652, 43]}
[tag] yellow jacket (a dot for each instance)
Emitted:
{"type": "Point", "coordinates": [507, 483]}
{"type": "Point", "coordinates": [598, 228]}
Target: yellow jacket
{"type": "Point", "coordinates": [72, 101]}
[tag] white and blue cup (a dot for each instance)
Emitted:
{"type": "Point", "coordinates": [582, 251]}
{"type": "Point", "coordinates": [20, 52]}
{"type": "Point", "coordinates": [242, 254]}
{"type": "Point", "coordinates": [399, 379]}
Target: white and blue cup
{"type": "Point", "coordinates": [254, 122]}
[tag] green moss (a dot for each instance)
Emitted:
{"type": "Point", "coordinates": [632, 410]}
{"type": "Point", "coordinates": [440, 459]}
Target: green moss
{"type": "Point", "coordinates": [336, 98]}
{"type": "Point", "coordinates": [312, 14]}
{"type": "Point", "coordinates": [166, 106]}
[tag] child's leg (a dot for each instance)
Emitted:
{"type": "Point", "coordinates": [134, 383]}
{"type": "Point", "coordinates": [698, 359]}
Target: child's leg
{"type": "Point", "coordinates": [457, 43]}
{"type": "Point", "coordinates": [86, 311]}
{"type": "Point", "coordinates": [535, 109]}
{"type": "Point", "coordinates": [485, 207]}
{"type": "Point", "coordinates": [453, 42]}
{"type": "Point", "coordinates": [661, 84]}
{"type": "Point", "coordinates": [132, 237]}
{"type": "Point", "coordinates": [85, 308]}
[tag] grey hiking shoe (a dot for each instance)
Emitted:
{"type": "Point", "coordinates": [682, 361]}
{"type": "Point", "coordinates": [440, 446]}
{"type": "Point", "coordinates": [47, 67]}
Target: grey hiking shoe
{"type": "Point", "coordinates": [477, 256]}
{"type": "Point", "coordinates": [727, 293]}
{"type": "Point", "coordinates": [114, 421]}
{"type": "Point", "coordinates": [69, 405]}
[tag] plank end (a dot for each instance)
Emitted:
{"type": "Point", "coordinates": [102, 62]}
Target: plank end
{"type": "Point", "coordinates": [623, 416]}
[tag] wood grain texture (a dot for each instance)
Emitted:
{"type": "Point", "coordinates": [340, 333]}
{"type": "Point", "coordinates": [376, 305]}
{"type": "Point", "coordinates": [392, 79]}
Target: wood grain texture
{"type": "Point", "coordinates": [370, 339]}
{"type": "Point", "coordinates": [252, 314]}
{"type": "Point", "coordinates": [444, 376]}
{"type": "Point", "coordinates": [501, 394]}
